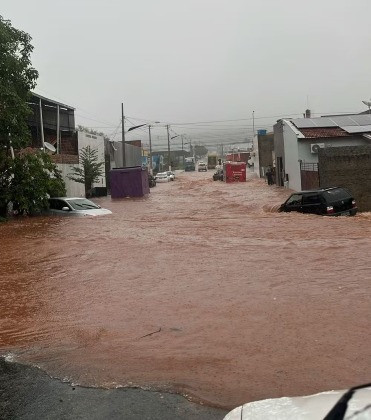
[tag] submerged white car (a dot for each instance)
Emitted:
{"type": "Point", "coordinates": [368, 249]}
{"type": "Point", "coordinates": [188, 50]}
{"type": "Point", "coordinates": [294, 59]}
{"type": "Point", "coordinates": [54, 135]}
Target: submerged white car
{"type": "Point", "coordinates": [171, 175]}
{"type": "Point", "coordinates": [63, 206]}
{"type": "Point", "coordinates": [162, 177]}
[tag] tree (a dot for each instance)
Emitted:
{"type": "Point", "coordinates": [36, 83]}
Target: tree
{"type": "Point", "coordinates": [90, 169]}
{"type": "Point", "coordinates": [17, 78]}
{"type": "Point", "coordinates": [35, 179]}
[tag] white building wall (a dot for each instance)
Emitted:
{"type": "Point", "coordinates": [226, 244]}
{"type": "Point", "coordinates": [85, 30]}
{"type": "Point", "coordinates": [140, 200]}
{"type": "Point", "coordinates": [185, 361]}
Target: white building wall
{"type": "Point", "coordinates": [255, 155]}
{"type": "Point", "coordinates": [305, 146]}
{"type": "Point", "coordinates": [76, 189]}
{"type": "Point", "coordinates": [95, 142]}
{"type": "Point", "coordinates": [73, 189]}
{"type": "Point", "coordinates": [292, 165]}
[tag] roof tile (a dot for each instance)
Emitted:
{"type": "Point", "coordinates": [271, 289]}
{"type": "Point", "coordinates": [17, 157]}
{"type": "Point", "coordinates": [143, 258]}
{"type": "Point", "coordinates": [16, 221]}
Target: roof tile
{"type": "Point", "coordinates": [330, 132]}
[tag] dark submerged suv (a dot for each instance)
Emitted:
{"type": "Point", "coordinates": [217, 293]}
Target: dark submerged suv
{"type": "Point", "coordinates": [334, 201]}
{"type": "Point", "coordinates": [218, 175]}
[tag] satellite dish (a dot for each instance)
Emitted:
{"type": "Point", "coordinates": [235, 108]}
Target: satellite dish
{"type": "Point", "coordinates": [49, 148]}
{"type": "Point", "coordinates": [367, 103]}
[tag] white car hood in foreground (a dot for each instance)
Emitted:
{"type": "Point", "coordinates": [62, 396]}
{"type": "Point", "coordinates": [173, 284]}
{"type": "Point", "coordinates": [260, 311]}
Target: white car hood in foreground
{"type": "Point", "coordinates": [311, 407]}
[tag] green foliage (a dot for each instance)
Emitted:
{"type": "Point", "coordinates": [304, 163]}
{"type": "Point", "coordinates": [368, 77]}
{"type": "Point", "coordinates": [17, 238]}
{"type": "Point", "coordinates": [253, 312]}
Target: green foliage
{"type": "Point", "coordinates": [35, 178]}
{"type": "Point", "coordinates": [17, 78]}
{"type": "Point", "coordinates": [90, 169]}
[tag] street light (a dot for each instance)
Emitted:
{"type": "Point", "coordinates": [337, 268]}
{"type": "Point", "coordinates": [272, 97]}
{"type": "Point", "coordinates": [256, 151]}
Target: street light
{"type": "Point", "coordinates": [150, 140]}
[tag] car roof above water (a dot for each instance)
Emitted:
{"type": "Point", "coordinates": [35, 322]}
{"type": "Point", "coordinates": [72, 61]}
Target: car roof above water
{"type": "Point", "coordinates": [319, 190]}
{"type": "Point", "coordinates": [68, 198]}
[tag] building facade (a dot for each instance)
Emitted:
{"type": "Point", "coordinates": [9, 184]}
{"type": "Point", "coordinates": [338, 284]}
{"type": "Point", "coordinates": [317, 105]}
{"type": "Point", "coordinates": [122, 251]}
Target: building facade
{"type": "Point", "coordinates": [297, 143]}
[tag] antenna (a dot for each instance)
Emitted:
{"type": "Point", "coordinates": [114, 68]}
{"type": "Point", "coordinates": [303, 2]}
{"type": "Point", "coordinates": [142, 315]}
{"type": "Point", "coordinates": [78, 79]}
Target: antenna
{"type": "Point", "coordinates": [49, 148]}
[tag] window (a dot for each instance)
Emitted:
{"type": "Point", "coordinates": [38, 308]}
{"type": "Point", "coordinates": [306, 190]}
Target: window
{"type": "Point", "coordinates": [294, 200]}
{"type": "Point", "coordinates": [56, 204]}
{"type": "Point", "coordinates": [337, 194]}
{"type": "Point", "coordinates": [82, 204]}
{"type": "Point", "coordinates": [311, 199]}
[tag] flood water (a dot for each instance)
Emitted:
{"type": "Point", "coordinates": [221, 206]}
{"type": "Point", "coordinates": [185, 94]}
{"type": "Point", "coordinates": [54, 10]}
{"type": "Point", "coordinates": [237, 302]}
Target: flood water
{"type": "Point", "coordinates": [244, 303]}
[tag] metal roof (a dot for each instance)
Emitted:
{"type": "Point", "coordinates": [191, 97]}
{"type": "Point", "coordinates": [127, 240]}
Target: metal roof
{"type": "Point", "coordinates": [357, 123]}
{"type": "Point", "coordinates": [51, 101]}
{"type": "Point", "coordinates": [354, 129]}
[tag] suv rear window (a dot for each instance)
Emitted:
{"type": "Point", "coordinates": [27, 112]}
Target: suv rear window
{"type": "Point", "coordinates": [336, 194]}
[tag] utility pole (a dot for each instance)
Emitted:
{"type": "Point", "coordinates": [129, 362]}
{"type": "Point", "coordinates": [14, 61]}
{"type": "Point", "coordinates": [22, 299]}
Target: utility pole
{"type": "Point", "coordinates": [150, 149]}
{"type": "Point", "coordinates": [253, 124]}
{"type": "Point", "coordinates": [168, 147]}
{"type": "Point", "coordinates": [182, 149]}
{"type": "Point", "coordinates": [123, 137]}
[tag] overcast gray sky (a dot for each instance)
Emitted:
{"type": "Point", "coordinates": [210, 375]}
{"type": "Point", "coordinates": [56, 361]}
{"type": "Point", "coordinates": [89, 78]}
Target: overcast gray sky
{"type": "Point", "coordinates": [199, 60]}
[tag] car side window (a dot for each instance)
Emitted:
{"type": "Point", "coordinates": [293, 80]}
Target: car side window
{"type": "Point", "coordinates": [59, 204]}
{"type": "Point", "coordinates": [294, 200]}
{"type": "Point", "coordinates": [311, 199]}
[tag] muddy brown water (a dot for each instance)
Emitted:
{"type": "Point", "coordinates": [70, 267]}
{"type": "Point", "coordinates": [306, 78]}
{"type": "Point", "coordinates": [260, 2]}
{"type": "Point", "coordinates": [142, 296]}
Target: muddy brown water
{"type": "Point", "coordinates": [244, 303]}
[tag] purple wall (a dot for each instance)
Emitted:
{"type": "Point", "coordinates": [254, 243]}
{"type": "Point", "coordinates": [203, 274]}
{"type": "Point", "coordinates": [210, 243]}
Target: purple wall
{"type": "Point", "coordinates": [129, 182]}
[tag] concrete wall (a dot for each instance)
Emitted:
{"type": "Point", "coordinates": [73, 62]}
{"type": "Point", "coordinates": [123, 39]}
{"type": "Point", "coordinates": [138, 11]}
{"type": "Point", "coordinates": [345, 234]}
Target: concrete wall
{"type": "Point", "coordinates": [76, 189]}
{"type": "Point", "coordinates": [97, 143]}
{"type": "Point", "coordinates": [133, 155]}
{"type": "Point", "coordinates": [279, 147]}
{"type": "Point", "coordinates": [291, 161]}
{"type": "Point", "coordinates": [348, 167]}
{"type": "Point", "coordinates": [266, 148]}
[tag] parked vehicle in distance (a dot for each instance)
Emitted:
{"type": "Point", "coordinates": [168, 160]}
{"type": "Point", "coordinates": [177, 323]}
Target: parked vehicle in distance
{"type": "Point", "coordinates": [211, 161]}
{"type": "Point", "coordinates": [202, 166]}
{"type": "Point", "coordinates": [151, 181]}
{"type": "Point", "coordinates": [334, 201]}
{"type": "Point", "coordinates": [189, 163]}
{"type": "Point", "coordinates": [171, 175]}
{"type": "Point", "coordinates": [218, 175]}
{"type": "Point", "coordinates": [63, 206]}
{"type": "Point", "coordinates": [162, 177]}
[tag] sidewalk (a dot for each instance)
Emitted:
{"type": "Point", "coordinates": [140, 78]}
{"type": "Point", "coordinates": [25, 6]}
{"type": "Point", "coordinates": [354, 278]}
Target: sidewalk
{"type": "Point", "coordinates": [29, 393]}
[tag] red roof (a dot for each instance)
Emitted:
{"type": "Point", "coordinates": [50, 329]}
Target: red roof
{"type": "Point", "coordinates": [315, 133]}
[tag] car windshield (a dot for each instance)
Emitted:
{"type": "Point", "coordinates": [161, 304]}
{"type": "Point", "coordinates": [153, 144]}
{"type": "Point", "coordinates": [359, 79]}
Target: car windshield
{"type": "Point", "coordinates": [337, 194]}
{"type": "Point", "coordinates": [82, 204]}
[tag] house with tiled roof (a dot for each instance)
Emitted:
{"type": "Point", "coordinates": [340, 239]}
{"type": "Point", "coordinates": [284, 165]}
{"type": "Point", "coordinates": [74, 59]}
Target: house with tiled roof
{"type": "Point", "coordinates": [297, 143]}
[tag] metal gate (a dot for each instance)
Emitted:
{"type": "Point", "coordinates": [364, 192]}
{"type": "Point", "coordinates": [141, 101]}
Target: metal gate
{"type": "Point", "coordinates": [309, 176]}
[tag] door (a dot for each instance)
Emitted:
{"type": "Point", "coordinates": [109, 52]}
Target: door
{"type": "Point", "coordinates": [311, 203]}
{"type": "Point", "coordinates": [294, 203]}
